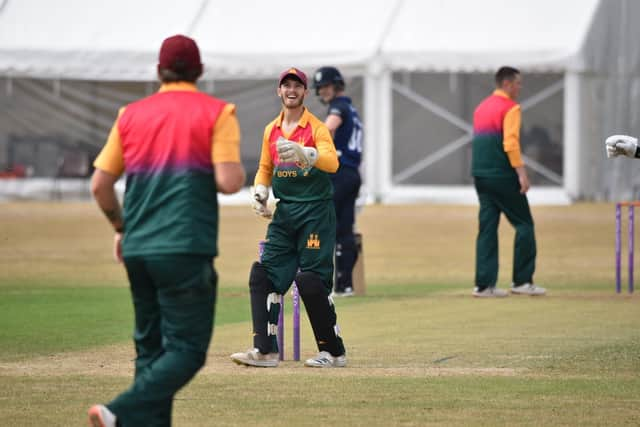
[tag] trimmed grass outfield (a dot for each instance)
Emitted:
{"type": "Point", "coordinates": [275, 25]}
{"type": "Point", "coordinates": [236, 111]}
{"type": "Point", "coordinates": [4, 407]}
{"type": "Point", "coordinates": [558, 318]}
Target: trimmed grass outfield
{"type": "Point", "coordinates": [421, 350]}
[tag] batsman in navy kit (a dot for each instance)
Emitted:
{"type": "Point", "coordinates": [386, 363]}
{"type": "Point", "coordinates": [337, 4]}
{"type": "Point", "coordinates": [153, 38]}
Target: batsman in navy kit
{"type": "Point", "coordinates": [297, 158]}
{"type": "Point", "coordinates": [346, 128]}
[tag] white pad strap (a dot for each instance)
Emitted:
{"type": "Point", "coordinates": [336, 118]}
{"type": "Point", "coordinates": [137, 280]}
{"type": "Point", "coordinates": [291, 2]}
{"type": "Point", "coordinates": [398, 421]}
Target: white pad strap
{"type": "Point", "coordinates": [272, 329]}
{"type": "Point", "coordinates": [272, 298]}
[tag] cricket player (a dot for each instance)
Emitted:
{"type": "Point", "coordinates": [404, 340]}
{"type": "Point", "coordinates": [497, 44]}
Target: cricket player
{"type": "Point", "coordinates": [502, 183]}
{"type": "Point", "coordinates": [178, 148]}
{"type": "Point", "coordinates": [345, 126]}
{"type": "Point", "coordinates": [296, 159]}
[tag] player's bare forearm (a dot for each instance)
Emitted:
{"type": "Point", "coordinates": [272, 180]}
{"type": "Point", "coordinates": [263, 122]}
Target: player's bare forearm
{"type": "Point", "coordinates": [523, 179]}
{"type": "Point", "coordinates": [102, 187]}
{"type": "Point", "coordinates": [112, 210]}
{"type": "Point", "coordinates": [114, 215]}
{"type": "Point", "coordinates": [230, 177]}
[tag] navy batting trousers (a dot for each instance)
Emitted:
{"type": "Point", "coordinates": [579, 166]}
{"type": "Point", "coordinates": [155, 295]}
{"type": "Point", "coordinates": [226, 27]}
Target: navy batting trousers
{"type": "Point", "coordinates": [346, 185]}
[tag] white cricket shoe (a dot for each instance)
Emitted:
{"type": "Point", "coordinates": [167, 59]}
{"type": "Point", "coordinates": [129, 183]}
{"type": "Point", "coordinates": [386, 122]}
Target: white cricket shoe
{"type": "Point", "coordinates": [101, 416]}
{"type": "Point", "coordinates": [347, 292]}
{"type": "Point", "coordinates": [253, 357]}
{"type": "Point", "coordinates": [324, 359]}
{"type": "Point", "coordinates": [490, 292]}
{"type": "Point", "coordinates": [528, 289]}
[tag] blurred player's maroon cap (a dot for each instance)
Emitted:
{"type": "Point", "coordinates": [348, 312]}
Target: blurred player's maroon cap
{"type": "Point", "coordinates": [295, 72]}
{"type": "Point", "coordinates": [180, 54]}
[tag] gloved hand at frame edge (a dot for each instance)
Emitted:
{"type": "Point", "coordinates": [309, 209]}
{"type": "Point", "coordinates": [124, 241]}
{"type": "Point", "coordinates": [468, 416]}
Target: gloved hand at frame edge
{"type": "Point", "coordinates": [625, 145]}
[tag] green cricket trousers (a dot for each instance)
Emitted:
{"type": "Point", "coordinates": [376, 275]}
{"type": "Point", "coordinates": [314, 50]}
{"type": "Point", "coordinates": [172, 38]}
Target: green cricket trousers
{"type": "Point", "coordinates": [173, 298]}
{"type": "Point", "coordinates": [496, 196]}
{"type": "Point", "coordinates": [302, 235]}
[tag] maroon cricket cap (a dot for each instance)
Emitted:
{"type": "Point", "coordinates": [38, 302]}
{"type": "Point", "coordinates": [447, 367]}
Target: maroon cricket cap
{"type": "Point", "coordinates": [295, 72]}
{"type": "Point", "coordinates": [180, 54]}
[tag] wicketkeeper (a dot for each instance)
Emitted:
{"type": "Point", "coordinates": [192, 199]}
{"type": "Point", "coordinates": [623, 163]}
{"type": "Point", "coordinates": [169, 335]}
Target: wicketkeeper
{"type": "Point", "coordinates": [296, 159]}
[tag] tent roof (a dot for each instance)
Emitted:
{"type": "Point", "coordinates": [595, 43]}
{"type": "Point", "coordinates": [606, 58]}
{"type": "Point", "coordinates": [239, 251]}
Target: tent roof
{"type": "Point", "coordinates": [482, 35]}
{"type": "Point", "coordinates": [273, 37]}
{"type": "Point", "coordinates": [88, 39]}
{"type": "Point", "coordinates": [119, 39]}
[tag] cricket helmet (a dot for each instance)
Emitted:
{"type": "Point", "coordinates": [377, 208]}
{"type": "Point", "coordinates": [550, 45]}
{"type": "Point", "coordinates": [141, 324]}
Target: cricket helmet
{"type": "Point", "coordinates": [327, 75]}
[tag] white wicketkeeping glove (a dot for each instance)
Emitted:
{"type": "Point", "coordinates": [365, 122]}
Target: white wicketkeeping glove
{"type": "Point", "coordinates": [259, 197]}
{"type": "Point", "coordinates": [291, 152]}
{"type": "Point", "coordinates": [625, 145]}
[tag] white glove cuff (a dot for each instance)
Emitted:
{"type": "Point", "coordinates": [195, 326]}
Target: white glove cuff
{"type": "Point", "coordinates": [261, 193]}
{"type": "Point", "coordinates": [311, 154]}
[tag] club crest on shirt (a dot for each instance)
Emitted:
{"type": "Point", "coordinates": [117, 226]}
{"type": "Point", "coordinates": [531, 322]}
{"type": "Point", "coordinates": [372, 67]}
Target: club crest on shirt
{"type": "Point", "coordinates": [313, 242]}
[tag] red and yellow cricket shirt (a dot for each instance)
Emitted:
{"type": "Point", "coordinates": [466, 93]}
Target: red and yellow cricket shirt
{"type": "Point", "coordinates": [167, 145]}
{"type": "Point", "coordinates": [496, 136]}
{"type": "Point", "coordinates": [290, 182]}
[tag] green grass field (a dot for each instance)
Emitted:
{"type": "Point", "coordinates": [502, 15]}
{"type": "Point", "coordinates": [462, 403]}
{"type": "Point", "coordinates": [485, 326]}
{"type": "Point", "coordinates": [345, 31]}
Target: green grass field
{"type": "Point", "coordinates": [421, 350]}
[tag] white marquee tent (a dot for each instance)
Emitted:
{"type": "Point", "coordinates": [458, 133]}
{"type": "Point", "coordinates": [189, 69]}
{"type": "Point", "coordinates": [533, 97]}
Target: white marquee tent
{"type": "Point", "coordinates": [587, 46]}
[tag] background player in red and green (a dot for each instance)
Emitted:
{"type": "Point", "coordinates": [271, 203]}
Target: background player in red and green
{"type": "Point", "coordinates": [178, 148]}
{"type": "Point", "coordinates": [296, 159]}
{"type": "Point", "coordinates": [501, 182]}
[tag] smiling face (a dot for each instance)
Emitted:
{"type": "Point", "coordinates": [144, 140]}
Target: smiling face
{"type": "Point", "coordinates": [292, 92]}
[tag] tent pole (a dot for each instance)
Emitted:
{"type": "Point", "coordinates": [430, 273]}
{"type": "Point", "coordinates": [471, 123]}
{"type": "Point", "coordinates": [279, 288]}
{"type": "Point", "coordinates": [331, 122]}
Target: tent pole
{"type": "Point", "coordinates": [572, 135]}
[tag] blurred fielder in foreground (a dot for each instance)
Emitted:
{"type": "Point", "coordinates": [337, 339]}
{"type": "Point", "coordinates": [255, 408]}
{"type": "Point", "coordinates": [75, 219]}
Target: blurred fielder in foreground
{"type": "Point", "coordinates": [296, 159]}
{"type": "Point", "coordinates": [346, 128]}
{"type": "Point", "coordinates": [178, 148]}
